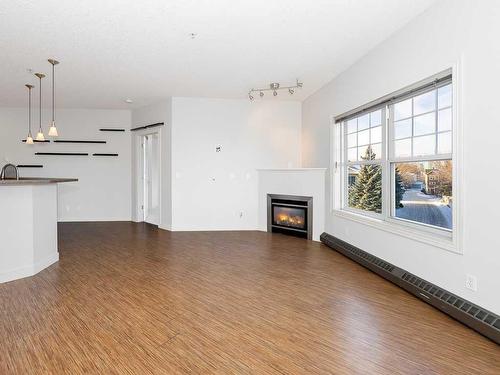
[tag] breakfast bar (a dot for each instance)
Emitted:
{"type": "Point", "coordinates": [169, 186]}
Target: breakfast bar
{"type": "Point", "coordinates": [28, 218]}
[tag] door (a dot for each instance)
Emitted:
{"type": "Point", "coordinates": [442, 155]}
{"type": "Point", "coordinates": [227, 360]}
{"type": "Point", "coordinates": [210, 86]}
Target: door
{"type": "Point", "coordinates": [151, 179]}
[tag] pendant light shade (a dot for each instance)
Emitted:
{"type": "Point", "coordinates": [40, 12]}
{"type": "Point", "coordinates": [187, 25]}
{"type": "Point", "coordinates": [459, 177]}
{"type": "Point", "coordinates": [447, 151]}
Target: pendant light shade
{"type": "Point", "coordinates": [39, 135]}
{"type": "Point", "coordinates": [29, 138]}
{"type": "Point", "coordinates": [52, 128]}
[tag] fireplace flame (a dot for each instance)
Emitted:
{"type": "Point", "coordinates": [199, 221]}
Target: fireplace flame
{"type": "Point", "coordinates": [295, 221]}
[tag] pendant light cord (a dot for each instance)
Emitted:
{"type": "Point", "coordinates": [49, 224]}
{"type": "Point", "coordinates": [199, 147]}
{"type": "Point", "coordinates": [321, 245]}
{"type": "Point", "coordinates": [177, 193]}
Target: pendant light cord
{"type": "Point", "coordinates": [40, 120]}
{"type": "Point", "coordinates": [53, 95]}
{"type": "Point", "coordinates": [29, 111]}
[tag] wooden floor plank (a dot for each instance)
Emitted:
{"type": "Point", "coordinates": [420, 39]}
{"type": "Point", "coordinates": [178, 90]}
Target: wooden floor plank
{"type": "Point", "coordinates": [127, 298]}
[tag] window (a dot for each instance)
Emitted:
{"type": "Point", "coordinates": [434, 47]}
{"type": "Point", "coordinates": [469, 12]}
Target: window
{"type": "Point", "coordinates": [363, 136]}
{"type": "Point", "coordinates": [396, 158]}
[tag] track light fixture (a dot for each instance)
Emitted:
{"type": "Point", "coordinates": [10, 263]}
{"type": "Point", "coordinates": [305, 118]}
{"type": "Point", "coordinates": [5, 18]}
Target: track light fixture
{"type": "Point", "coordinates": [275, 87]}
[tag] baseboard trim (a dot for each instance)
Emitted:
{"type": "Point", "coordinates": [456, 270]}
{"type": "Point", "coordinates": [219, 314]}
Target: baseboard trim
{"type": "Point", "coordinates": [28, 270]}
{"type": "Point", "coordinates": [479, 319]}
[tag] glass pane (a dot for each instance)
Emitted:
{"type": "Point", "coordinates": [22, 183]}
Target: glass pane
{"type": "Point", "coordinates": [444, 96]}
{"type": "Point", "coordinates": [352, 125]}
{"type": "Point", "coordinates": [424, 124]}
{"type": "Point", "coordinates": [425, 145]}
{"type": "Point", "coordinates": [352, 154]}
{"type": "Point", "coordinates": [402, 148]}
{"type": "Point", "coordinates": [363, 153]}
{"type": "Point", "coordinates": [423, 192]}
{"type": "Point", "coordinates": [364, 122]}
{"type": "Point", "coordinates": [376, 135]}
{"type": "Point", "coordinates": [424, 103]}
{"type": "Point", "coordinates": [376, 118]}
{"type": "Point", "coordinates": [402, 110]}
{"type": "Point", "coordinates": [364, 137]}
{"type": "Point", "coordinates": [352, 140]}
{"type": "Point", "coordinates": [444, 143]}
{"type": "Point", "coordinates": [365, 187]}
{"type": "Point", "coordinates": [289, 217]}
{"type": "Point", "coordinates": [402, 129]}
{"type": "Point", "coordinates": [377, 150]}
{"type": "Point", "coordinates": [444, 120]}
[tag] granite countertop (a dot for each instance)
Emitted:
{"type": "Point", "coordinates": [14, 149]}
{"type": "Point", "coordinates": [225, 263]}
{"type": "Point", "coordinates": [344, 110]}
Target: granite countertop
{"type": "Point", "coordinates": [36, 181]}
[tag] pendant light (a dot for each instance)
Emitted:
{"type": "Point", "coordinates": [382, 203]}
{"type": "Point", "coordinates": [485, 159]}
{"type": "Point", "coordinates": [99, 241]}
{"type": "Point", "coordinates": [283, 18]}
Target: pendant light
{"type": "Point", "coordinates": [39, 135]}
{"type": "Point", "coordinates": [52, 128]}
{"type": "Point", "coordinates": [29, 138]}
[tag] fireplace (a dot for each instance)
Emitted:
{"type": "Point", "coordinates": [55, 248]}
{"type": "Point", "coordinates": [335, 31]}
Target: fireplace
{"type": "Point", "coordinates": [290, 214]}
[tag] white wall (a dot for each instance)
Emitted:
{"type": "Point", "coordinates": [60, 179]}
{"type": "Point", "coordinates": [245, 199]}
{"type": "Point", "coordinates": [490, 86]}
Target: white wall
{"type": "Point", "coordinates": [218, 190]}
{"type": "Point", "coordinates": [160, 112]}
{"type": "Point", "coordinates": [103, 189]}
{"type": "Point", "coordinates": [448, 32]}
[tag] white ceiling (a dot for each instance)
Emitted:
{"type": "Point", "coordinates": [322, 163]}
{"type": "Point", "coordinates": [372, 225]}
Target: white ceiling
{"type": "Point", "coordinates": [111, 50]}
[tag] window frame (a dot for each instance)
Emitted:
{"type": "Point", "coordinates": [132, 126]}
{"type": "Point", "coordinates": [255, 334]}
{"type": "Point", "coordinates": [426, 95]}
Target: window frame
{"type": "Point", "coordinates": [347, 164]}
{"type": "Point", "coordinates": [392, 160]}
{"type": "Point", "coordinates": [448, 239]}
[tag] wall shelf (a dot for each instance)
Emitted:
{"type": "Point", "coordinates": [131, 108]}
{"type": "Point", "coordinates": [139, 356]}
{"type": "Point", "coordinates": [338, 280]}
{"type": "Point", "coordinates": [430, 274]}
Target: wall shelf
{"type": "Point", "coordinates": [30, 166]}
{"type": "Point", "coordinates": [111, 130]}
{"type": "Point", "coordinates": [76, 141]}
{"type": "Point", "coordinates": [101, 154]}
{"type": "Point", "coordinates": [147, 126]}
{"type": "Point", "coordinates": [63, 153]}
{"type": "Point", "coordinates": [35, 141]}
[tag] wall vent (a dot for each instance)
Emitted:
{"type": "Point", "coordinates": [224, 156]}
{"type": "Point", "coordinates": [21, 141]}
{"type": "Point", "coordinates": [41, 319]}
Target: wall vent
{"type": "Point", "coordinates": [475, 317]}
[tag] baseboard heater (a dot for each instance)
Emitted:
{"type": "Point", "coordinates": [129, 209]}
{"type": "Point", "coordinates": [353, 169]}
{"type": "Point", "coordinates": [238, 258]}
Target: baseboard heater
{"type": "Point", "coordinates": [475, 317]}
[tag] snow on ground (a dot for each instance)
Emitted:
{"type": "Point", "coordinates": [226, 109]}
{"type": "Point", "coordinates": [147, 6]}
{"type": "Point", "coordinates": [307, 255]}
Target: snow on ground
{"type": "Point", "coordinates": [424, 208]}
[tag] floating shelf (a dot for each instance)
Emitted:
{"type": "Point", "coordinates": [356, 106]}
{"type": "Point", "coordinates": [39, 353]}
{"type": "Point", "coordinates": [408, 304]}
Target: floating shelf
{"type": "Point", "coordinates": [30, 166]}
{"type": "Point", "coordinates": [63, 153]}
{"type": "Point", "coordinates": [100, 154]}
{"type": "Point", "coordinates": [34, 140]}
{"type": "Point", "coordinates": [111, 130]}
{"type": "Point", "coordinates": [148, 126]}
{"type": "Point", "coordinates": [72, 141]}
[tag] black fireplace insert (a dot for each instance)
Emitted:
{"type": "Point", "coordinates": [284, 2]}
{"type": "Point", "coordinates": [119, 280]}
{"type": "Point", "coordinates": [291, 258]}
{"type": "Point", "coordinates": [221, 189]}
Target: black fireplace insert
{"type": "Point", "coordinates": [290, 214]}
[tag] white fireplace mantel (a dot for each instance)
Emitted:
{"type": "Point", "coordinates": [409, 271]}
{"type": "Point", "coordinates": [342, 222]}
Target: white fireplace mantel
{"type": "Point", "coordinates": [309, 182]}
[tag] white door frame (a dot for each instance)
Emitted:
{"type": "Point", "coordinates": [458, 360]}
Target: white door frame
{"type": "Point", "coordinates": [138, 178]}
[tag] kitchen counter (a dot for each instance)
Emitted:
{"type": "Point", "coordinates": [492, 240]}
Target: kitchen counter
{"type": "Point", "coordinates": [36, 181]}
{"type": "Point", "coordinates": [28, 226]}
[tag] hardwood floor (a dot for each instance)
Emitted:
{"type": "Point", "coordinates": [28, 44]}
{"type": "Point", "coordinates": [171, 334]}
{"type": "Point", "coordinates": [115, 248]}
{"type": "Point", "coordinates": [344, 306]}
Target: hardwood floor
{"type": "Point", "coordinates": [127, 298]}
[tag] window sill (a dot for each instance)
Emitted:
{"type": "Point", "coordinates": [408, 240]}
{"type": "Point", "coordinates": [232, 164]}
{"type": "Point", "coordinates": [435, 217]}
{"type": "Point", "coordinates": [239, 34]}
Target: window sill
{"type": "Point", "coordinates": [443, 242]}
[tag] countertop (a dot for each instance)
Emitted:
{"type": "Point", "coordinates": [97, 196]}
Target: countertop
{"type": "Point", "coordinates": [36, 181]}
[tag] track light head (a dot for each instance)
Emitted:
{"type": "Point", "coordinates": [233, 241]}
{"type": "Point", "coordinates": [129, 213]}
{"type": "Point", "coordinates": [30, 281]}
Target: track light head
{"type": "Point", "coordinates": [250, 96]}
{"type": "Point", "coordinates": [275, 93]}
{"type": "Point", "coordinates": [261, 94]}
{"type": "Point", "coordinates": [291, 91]}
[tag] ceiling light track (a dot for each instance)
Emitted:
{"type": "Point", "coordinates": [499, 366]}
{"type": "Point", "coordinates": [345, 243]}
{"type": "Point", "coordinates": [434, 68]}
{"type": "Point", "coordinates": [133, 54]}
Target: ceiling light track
{"type": "Point", "coordinates": [275, 87]}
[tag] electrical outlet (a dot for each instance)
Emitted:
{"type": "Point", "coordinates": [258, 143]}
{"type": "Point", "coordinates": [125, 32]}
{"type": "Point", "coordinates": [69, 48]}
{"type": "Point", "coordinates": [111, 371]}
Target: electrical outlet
{"type": "Point", "coordinates": [471, 282]}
